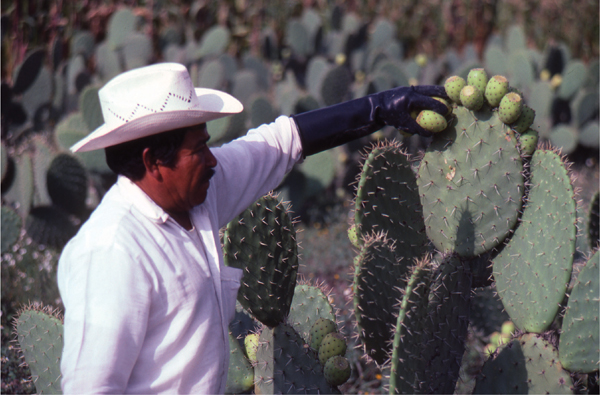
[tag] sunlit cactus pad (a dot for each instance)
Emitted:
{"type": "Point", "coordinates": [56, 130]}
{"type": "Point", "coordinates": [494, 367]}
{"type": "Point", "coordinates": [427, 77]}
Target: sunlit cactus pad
{"type": "Point", "coordinates": [471, 183]}
{"type": "Point", "coordinates": [527, 365]}
{"type": "Point", "coordinates": [533, 271]}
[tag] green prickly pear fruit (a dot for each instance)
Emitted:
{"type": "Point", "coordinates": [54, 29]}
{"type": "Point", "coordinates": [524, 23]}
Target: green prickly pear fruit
{"type": "Point", "coordinates": [495, 90]}
{"type": "Point", "coordinates": [471, 97]}
{"type": "Point", "coordinates": [528, 142]}
{"type": "Point", "coordinates": [251, 345]}
{"type": "Point", "coordinates": [353, 236]}
{"type": "Point", "coordinates": [432, 121]}
{"type": "Point", "coordinates": [525, 120]}
{"type": "Point", "coordinates": [490, 349]}
{"type": "Point", "coordinates": [337, 370]}
{"type": "Point", "coordinates": [453, 86]}
{"type": "Point", "coordinates": [510, 107]}
{"type": "Point", "coordinates": [321, 328]}
{"type": "Point", "coordinates": [507, 328]}
{"type": "Point", "coordinates": [333, 344]}
{"type": "Point", "coordinates": [478, 78]}
{"type": "Point", "coordinates": [447, 104]}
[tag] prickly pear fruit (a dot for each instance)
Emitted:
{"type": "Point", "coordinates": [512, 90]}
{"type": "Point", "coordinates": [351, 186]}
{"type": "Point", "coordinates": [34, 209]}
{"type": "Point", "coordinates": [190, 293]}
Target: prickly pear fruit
{"type": "Point", "coordinates": [251, 345]}
{"type": "Point", "coordinates": [471, 97]}
{"type": "Point", "coordinates": [432, 121]}
{"type": "Point", "coordinates": [495, 90]}
{"type": "Point", "coordinates": [507, 328]}
{"type": "Point", "coordinates": [453, 86]}
{"type": "Point", "coordinates": [528, 142]}
{"type": "Point", "coordinates": [510, 107]}
{"type": "Point", "coordinates": [525, 120]}
{"type": "Point", "coordinates": [337, 370]}
{"type": "Point", "coordinates": [490, 349]}
{"type": "Point", "coordinates": [321, 328]}
{"type": "Point", "coordinates": [353, 236]}
{"type": "Point", "coordinates": [447, 104]}
{"type": "Point", "coordinates": [333, 344]}
{"type": "Point", "coordinates": [478, 78]}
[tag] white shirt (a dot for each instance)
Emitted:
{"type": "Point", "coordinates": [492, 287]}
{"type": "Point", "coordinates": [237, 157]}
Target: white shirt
{"type": "Point", "coordinates": [148, 303]}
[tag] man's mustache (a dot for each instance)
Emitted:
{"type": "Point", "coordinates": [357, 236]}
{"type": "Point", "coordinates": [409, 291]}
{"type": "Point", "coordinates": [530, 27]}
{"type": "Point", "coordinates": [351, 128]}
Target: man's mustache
{"type": "Point", "coordinates": [209, 174]}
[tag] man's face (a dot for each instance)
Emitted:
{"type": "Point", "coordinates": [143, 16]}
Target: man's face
{"type": "Point", "coordinates": [186, 183]}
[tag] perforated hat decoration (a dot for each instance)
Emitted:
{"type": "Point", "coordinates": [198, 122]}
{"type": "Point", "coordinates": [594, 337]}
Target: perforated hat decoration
{"type": "Point", "coordinates": [151, 100]}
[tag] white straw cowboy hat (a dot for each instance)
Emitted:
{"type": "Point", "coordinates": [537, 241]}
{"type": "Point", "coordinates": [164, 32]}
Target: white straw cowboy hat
{"type": "Point", "coordinates": [151, 100]}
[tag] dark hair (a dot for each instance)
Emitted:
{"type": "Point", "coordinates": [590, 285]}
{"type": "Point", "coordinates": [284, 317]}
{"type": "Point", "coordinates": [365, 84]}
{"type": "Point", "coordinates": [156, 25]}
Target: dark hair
{"type": "Point", "coordinates": [126, 158]}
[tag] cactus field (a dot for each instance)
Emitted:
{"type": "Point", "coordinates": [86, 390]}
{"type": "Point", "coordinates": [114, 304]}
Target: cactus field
{"type": "Point", "coordinates": [464, 263]}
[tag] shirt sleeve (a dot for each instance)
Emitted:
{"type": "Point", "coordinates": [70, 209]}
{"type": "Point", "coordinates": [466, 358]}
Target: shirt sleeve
{"type": "Point", "coordinates": [106, 294]}
{"type": "Point", "coordinates": [253, 165]}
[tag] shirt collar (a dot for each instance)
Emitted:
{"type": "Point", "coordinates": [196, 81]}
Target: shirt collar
{"type": "Point", "coordinates": [140, 200]}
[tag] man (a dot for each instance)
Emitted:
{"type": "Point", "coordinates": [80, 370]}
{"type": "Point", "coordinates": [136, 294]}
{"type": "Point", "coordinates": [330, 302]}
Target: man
{"type": "Point", "coordinates": [147, 297]}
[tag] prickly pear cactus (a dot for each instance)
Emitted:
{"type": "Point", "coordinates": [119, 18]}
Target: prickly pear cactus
{"type": "Point", "coordinates": [40, 335]}
{"type": "Point", "coordinates": [579, 345]}
{"type": "Point", "coordinates": [435, 306]}
{"type": "Point", "coordinates": [378, 282]}
{"type": "Point", "coordinates": [309, 305]}
{"type": "Point", "coordinates": [262, 242]}
{"type": "Point", "coordinates": [527, 365]}
{"type": "Point", "coordinates": [533, 271]}
{"type": "Point", "coordinates": [387, 200]}
{"type": "Point", "coordinates": [471, 183]}
{"type": "Point", "coordinates": [240, 374]}
{"type": "Point", "coordinates": [285, 364]}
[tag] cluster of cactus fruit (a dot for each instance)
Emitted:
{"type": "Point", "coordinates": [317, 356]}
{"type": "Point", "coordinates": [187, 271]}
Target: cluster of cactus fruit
{"type": "Point", "coordinates": [480, 208]}
{"type": "Point", "coordinates": [494, 92]}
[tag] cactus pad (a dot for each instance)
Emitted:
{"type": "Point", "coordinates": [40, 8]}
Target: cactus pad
{"type": "Point", "coordinates": [387, 200]}
{"type": "Point", "coordinates": [285, 364]}
{"type": "Point", "coordinates": [378, 281]}
{"type": "Point", "coordinates": [40, 335]}
{"type": "Point", "coordinates": [471, 183]}
{"type": "Point", "coordinates": [533, 271]}
{"type": "Point", "coordinates": [309, 305]}
{"type": "Point", "coordinates": [432, 328]}
{"type": "Point", "coordinates": [527, 365]}
{"type": "Point", "coordinates": [12, 223]}
{"type": "Point", "coordinates": [261, 241]}
{"type": "Point", "coordinates": [240, 375]}
{"type": "Point", "coordinates": [579, 341]}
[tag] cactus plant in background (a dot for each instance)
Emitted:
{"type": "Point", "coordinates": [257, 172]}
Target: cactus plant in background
{"type": "Point", "coordinates": [40, 336]}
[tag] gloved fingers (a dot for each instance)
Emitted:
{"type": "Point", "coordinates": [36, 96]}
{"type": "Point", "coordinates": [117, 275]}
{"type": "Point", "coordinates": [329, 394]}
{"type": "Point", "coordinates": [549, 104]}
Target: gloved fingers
{"type": "Point", "coordinates": [419, 103]}
{"type": "Point", "coordinates": [411, 126]}
{"type": "Point", "coordinates": [430, 90]}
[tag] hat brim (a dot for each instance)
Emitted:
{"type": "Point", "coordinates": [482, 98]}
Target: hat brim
{"type": "Point", "coordinates": [215, 104]}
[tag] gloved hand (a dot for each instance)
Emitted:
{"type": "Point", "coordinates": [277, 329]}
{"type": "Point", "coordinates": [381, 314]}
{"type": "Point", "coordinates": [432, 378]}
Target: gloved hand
{"type": "Point", "coordinates": [335, 125]}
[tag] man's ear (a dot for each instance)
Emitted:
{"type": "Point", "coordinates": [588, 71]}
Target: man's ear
{"type": "Point", "coordinates": [151, 165]}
